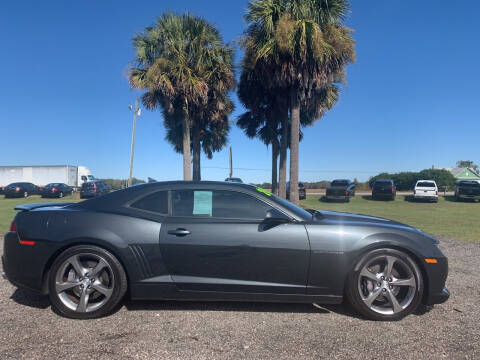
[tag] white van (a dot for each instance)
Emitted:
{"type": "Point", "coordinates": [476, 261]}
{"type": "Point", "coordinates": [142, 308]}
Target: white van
{"type": "Point", "coordinates": [426, 190]}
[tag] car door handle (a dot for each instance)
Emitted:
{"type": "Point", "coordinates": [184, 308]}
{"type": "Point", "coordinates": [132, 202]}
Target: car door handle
{"type": "Point", "coordinates": [179, 232]}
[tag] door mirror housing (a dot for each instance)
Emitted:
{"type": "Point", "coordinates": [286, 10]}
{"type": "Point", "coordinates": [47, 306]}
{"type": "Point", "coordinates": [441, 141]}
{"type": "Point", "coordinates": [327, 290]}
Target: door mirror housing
{"type": "Point", "coordinates": [273, 215]}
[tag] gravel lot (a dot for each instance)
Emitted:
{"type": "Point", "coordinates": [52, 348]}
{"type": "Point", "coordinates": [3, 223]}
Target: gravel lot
{"type": "Point", "coordinates": [29, 328]}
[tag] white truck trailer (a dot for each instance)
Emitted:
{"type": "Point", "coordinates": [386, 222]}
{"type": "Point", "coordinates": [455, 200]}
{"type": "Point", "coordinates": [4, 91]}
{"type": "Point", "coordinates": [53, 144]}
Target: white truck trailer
{"type": "Point", "coordinates": [73, 176]}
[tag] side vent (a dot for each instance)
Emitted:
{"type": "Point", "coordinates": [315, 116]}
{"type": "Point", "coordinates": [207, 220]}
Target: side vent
{"type": "Point", "coordinates": [142, 262]}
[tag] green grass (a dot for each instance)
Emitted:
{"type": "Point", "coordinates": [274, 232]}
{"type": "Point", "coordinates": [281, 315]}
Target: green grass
{"type": "Point", "coordinates": [6, 207]}
{"type": "Point", "coordinates": [458, 220]}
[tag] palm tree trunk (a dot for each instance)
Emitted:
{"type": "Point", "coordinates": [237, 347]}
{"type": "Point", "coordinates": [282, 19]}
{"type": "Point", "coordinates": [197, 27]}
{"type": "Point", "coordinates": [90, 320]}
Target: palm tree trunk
{"type": "Point", "coordinates": [196, 154]}
{"type": "Point", "coordinates": [274, 166]}
{"type": "Point", "coordinates": [187, 168]}
{"type": "Point", "coordinates": [282, 176]}
{"type": "Point", "coordinates": [294, 140]}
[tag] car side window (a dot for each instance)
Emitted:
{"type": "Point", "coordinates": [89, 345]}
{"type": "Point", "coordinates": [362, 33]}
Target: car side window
{"type": "Point", "coordinates": [224, 204]}
{"type": "Point", "coordinates": [156, 202]}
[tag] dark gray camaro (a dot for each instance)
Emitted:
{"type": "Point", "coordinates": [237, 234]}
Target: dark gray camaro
{"type": "Point", "coordinates": [218, 241]}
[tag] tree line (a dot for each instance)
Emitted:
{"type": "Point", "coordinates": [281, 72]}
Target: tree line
{"type": "Point", "coordinates": [294, 57]}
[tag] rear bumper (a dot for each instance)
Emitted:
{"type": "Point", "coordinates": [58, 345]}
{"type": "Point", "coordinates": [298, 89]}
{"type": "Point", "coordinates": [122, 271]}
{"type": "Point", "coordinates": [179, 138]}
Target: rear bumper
{"type": "Point", "coordinates": [463, 196]}
{"type": "Point", "coordinates": [336, 197]}
{"type": "Point", "coordinates": [425, 197]}
{"type": "Point", "coordinates": [23, 265]}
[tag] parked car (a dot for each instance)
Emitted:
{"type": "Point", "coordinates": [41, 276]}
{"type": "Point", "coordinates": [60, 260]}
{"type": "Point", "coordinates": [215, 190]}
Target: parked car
{"type": "Point", "coordinates": [218, 241]}
{"type": "Point", "coordinates": [93, 189]}
{"type": "Point", "coordinates": [20, 189]}
{"type": "Point", "coordinates": [426, 190]}
{"type": "Point", "coordinates": [56, 190]}
{"type": "Point", "coordinates": [302, 191]}
{"type": "Point", "coordinates": [234, 180]}
{"type": "Point", "coordinates": [340, 189]}
{"type": "Point", "coordinates": [467, 189]}
{"type": "Point", "coordinates": [384, 189]}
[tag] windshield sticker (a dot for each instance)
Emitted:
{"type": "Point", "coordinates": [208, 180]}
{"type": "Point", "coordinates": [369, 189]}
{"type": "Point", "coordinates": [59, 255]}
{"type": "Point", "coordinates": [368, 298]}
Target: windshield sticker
{"type": "Point", "coordinates": [264, 191]}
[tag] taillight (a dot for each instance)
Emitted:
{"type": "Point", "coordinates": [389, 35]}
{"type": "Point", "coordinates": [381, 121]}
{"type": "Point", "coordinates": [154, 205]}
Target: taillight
{"type": "Point", "coordinates": [436, 192]}
{"type": "Point", "coordinates": [94, 186]}
{"type": "Point", "coordinates": [13, 226]}
{"type": "Point", "coordinates": [393, 189]}
{"type": "Point", "coordinates": [54, 189]}
{"type": "Point", "coordinates": [414, 191]}
{"type": "Point", "coordinates": [17, 189]}
{"type": "Point", "coordinates": [346, 192]}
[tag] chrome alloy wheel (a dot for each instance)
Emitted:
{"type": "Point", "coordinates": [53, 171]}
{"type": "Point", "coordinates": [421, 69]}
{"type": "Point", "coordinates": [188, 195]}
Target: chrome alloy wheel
{"type": "Point", "coordinates": [387, 284]}
{"type": "Point", "coordinates": [84, 282]}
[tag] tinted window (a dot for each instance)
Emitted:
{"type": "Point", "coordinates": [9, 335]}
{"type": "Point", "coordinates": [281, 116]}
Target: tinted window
{"type": "Point", "coordinates": [48, 186]}
{"type": "Point", "coordinates": [469, 184]}
{"type": "Point", "coordinates": [339, 183]}
{"type": "Point", "coordinates": [217, 203]}
{"type": "Point", "coordinates": [383, 183]}
{"type": "Point", "coordinates": [426, 184]}
{"type": "Point", "coordinates": [157, 202]}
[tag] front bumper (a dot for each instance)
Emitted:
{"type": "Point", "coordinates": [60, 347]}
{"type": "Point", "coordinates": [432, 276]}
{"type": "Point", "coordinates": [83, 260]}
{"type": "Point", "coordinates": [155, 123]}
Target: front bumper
{"type": "Point", "coordinates": [438, 298]}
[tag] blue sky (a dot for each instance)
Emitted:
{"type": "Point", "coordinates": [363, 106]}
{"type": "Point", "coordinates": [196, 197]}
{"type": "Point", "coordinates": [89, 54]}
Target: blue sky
{"type": "Point", "coordinates": [411, 100]}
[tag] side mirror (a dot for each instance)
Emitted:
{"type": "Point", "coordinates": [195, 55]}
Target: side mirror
{"type": "Point", "coordinates": [273, 215]}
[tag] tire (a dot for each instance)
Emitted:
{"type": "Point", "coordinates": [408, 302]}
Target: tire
{"type": "Point", "coordinates": [102, 295]}
{"type": "Point", "coordinates": [359, 288]}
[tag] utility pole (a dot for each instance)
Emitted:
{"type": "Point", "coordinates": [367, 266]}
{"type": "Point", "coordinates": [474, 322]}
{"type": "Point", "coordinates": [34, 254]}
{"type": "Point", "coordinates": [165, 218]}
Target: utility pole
{"type": "Point", "coordinates": [231, 163]}
{"type": "Point", "coordinates": [136, 111]}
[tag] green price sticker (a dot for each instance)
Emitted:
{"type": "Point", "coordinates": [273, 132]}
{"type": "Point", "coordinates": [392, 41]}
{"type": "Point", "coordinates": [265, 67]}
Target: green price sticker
{"type": "Point", "coordinates": [264, 191]}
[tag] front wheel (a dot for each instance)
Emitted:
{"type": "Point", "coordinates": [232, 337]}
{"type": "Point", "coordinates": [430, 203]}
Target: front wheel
{"type": "Point", "coordinates": [86, 282]}
{"type": "Point", "coordinates": [386, 284]}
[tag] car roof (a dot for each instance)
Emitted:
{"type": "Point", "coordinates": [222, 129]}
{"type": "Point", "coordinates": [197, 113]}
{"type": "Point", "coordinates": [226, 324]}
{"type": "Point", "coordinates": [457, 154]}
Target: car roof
{"type": "Point", "coordinates": [432, 181]}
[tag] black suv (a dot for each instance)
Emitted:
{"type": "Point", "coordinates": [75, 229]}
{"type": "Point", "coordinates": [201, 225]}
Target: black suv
{"type": "Point", "coordinates": [467, 189]}
{"type": "Point", "coordinates": [340, 189]}
{"type": "Point", "coordinates": [384, 189]}
{"type": "Point", "coordinates": [21, 189]}
{"type": "Point", "coordinates": [93, 188]}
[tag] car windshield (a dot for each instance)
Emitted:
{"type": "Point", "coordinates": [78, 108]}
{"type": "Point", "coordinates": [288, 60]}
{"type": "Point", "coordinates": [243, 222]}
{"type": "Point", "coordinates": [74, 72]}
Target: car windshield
{"type": "Point", "coordinates": [339, 183]}
{"type": "Point", "coordinates": [90, 177]}
{"type": "Point", "coordinates": [304, 214]}
{"type": "Point", "coordinates": [426, 184]}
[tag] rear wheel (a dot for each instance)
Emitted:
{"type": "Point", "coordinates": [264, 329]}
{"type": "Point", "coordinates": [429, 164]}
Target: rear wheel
{"type": "Point", "coordinates": [386, 285]}
{"type": "Point", "coordinates": [86, 282]}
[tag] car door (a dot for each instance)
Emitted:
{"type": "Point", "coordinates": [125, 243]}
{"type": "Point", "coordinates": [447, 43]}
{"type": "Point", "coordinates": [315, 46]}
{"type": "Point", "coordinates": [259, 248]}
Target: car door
{"type": "Point", "coordinates": [215, 240]}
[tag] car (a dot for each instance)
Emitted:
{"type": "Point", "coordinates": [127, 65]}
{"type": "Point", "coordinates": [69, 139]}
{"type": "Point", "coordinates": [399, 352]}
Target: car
{"type": "Point", "coordinates": [384, 189]}
{"type": "Point", "coordinates": [302, 191]}
{"type": "Point", "coordinates": [467, 190]}
{"type": "Point", "coordinates": [187, 240]}
{"type": "Point", "coordinates": [234, 179]}
{"type": "Point", "coordinates": [20, 189]}
{"type": "Point", "coordinates": [340, 189]}
{"type": "Point", "coordinates": [425, 190]}
{"type": "Point", "coordinates": [56, 190]}
{"type": "Point", "coordinates": [93, 189]}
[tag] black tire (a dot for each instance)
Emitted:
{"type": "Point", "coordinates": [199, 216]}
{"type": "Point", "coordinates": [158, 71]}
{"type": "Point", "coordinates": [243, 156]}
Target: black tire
{"type": "Point", "coordinates": [352, 288]}
{"type": "Point", "coordinates": [119, 285]}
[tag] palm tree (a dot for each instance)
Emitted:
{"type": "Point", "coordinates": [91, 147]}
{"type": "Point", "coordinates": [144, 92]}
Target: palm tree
{"type": "Point", "coordinates": [184, 68]}
{"type": "Point", "coordinates": [304, 48]}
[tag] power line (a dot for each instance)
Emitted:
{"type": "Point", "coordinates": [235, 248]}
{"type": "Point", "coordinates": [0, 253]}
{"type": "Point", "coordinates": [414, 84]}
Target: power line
{"type": "Point", "coordinates": [311, 171]}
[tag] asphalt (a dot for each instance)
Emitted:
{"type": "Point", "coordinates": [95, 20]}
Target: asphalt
{"type": "Point", "coordinates": [221, 330]}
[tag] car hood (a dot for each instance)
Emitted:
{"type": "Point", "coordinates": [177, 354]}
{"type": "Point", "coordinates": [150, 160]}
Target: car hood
{"type": "Point", "coordinates": [353, 219]}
